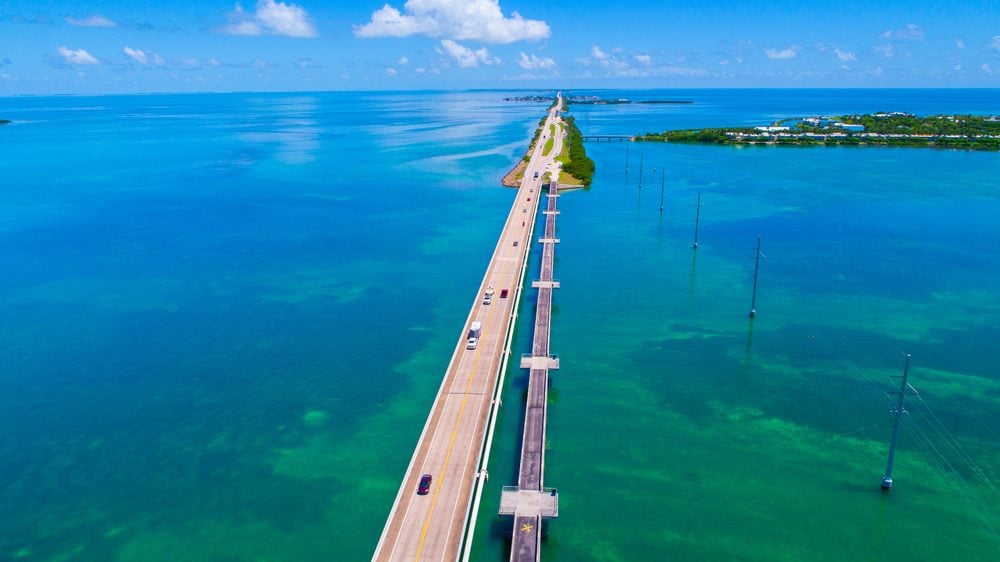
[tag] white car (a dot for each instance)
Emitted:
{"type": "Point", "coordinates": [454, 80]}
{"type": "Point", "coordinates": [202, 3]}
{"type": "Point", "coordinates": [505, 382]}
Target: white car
{"type": "Point", "coordinates": [473, 343]}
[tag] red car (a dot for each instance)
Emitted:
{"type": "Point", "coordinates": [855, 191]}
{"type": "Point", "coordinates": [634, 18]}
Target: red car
{"type": "Point", "coordinates": [503, 293]}
{"type": "Point", "coordinates": [425, 485]}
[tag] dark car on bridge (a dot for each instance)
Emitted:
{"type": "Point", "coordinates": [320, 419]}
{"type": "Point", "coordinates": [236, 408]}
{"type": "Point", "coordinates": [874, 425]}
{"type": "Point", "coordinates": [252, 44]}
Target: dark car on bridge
{"type": "Point", "coordinates": [425, 485]}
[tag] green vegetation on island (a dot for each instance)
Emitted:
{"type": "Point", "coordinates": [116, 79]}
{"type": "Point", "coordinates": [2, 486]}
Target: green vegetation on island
{"type": "Point", "coordinates": [904, 123]}
{"type": "Point", "coordinates": [577, 168]}
{"type": "Point", "coordinates": [574, 157]}
{"type": "Point", "coordinates": [4, 121]}
{"type": "Point", "coordinates": [972, 132]}
{"type": "Point", "coordinates": [550, 141]}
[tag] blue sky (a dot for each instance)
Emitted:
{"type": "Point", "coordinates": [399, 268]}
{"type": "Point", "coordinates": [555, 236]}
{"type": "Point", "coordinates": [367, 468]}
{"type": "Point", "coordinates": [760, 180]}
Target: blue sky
{"type": "Point", "coordinates": [118, 46]}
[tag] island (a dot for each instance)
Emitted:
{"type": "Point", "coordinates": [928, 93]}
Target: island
{"type": "Point", "coordinates": [972, 132]}
{"type": "Point", "coordinates": [534, 99]}
{"type": "Point", "coordinates": [593, 100]}
{"type": "Point", "coordinates": [4, 121]}
{"type": "Point", "coordinates": [577, 167]}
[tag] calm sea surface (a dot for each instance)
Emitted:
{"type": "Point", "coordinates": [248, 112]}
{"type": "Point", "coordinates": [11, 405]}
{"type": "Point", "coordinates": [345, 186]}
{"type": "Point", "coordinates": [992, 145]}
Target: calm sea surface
{"type": "Point", "coordinates": [223, 319]}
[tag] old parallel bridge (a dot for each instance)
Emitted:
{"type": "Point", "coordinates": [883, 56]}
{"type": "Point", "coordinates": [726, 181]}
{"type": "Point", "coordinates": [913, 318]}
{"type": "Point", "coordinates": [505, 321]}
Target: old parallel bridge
{"type": "Point", "coordinates": [529, 502]}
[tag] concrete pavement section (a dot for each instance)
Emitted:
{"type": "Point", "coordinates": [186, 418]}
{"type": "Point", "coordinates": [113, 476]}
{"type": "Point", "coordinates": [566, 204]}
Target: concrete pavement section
{"type": "Point", "coordinates": [430, 527]}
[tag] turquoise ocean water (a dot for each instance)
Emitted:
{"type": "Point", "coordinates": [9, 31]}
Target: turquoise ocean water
{"type": "Point", "coordinates": [223, 319]}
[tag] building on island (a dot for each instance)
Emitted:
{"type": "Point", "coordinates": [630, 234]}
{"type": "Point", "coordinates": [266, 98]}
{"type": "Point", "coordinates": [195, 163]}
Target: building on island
{"type": "Point", "coordinates": [854, 128]}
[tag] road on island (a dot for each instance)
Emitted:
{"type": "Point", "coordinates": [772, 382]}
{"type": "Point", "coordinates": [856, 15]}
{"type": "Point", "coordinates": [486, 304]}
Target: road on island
{"type": "Point", "coordinates": [430, 527]}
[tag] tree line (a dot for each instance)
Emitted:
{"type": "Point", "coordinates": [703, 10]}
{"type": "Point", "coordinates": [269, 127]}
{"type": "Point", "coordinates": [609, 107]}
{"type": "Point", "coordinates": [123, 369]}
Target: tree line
{"type": "Point", "coordinates": [580, 166]}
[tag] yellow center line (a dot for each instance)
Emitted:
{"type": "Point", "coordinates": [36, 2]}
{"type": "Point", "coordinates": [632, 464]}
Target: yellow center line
{"type": "Point", "coordinates": [461, 412]}
{"type": "Point", "coordinates": [451, 442]}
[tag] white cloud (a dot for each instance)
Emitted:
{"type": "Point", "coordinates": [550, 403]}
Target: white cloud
{"type": "Point", "coordinates": [77, 56]}
{"type": "Point", "coordinates": [273, 18]}
{"type": "Point", "coordinates": [788, 53]}
{"type": "Point", "coordinates": [644, 59]}
{"type": "Point", "coordinates": [620, 67]}
{"type": "Point", "coordinates": [137, 55]}
{"type": "Point", "coordinates": [144, 58]}
{"type": "Point", "coordinates": [995, 44]}
{"type": "Point", "coordinates": [725, 62]}
{"type": "Point", "coordinates": [92, 21]}
{"type": "Point", "coordinates": [534, 61]}
{"type": "Point", "coordinates": [466, 57]}
{"type": "Point", "coordinates": [403, 61]}
{"type": "Point", "coordinates": [189, 61]}
{"type": "Point", "coordinates": [285, 19]}
{"type": "Point", "coordinates": [844, 56]}
{"type": "Point", "coordinates": [391, 71]}
{"type": "Point", "coordinates": [479, 20]}
{"type": "Point", "coordinates": [600, 56]}
{"type": "Point", "coordinates": [243, 27]}
{"type": "Point", "coordinates": [910, 32]}
{"type": "Point", "coordinates": [605, 60]}
{"type": "Point", "coordinates": [885, 51]}
{"type": "Point", "coordinates": [987, 69]}
{"type": "Point", "coordinates": [959, 43]}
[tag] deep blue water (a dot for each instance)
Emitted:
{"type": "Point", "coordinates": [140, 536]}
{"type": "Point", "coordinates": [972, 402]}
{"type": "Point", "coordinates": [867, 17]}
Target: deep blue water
{"type": "Point", "coordinates": [223, 319]}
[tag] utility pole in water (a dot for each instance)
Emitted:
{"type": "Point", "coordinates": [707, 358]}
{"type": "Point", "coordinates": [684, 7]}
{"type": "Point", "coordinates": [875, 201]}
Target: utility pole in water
{"type": "Point", "coordinates": [640, 169]}
{"type": "Point", "coordinates": [756, 269]}
{"type": "Point", "coordinates": [663, 179]}
{"type": "Point", "coordinates": [697, 216]}
{"type": "Point", "coordinates": [898, 412]}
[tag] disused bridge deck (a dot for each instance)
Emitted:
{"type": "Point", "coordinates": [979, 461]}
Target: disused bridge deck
{"type": "Point", "coordinates": [534, 502]}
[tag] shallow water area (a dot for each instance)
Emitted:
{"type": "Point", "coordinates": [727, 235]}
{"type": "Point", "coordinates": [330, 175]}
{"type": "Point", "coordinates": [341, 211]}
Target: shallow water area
{"type": "Point", "coordinates": [681, 429]}
{"type": "Point", "coordinates": [224, 317]}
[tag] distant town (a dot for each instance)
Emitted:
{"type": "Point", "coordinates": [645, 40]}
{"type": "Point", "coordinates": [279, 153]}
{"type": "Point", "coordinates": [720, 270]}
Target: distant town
{"type": "Point", "coordinates": [973, 132]}
{"type": "Point", "coordinates": [592, 100]}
